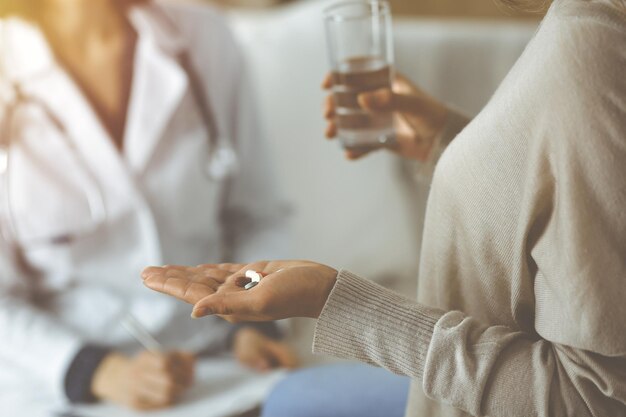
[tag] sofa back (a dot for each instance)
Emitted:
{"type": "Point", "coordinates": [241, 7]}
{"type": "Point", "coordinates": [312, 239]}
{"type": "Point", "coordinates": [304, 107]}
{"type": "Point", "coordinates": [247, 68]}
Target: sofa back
{"type": "Point", "coordinates": [365, 216]}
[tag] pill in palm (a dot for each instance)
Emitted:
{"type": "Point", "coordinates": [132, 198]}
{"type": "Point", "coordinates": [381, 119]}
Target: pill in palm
{"type": "Point", "coordinates": [251, 284]}
{"type": "Point", "coordinates": [253, 275]}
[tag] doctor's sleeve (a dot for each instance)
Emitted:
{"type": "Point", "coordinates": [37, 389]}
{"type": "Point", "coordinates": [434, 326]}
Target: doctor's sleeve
{"type": "Point", "coordinates": [35, 345]}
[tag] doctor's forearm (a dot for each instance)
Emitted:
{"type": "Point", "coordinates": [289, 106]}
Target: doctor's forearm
{"type": "Point", "coordinates": [34, 341]}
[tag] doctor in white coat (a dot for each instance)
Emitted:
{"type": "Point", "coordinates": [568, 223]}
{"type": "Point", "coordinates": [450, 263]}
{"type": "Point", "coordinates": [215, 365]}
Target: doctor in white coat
{"type": "Point", "coordinates": [106, 106]}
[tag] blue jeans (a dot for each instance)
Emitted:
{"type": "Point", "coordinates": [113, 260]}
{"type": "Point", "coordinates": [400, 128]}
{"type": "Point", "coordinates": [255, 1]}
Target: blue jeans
{"type": "Point", "coordinates": [345, 390]}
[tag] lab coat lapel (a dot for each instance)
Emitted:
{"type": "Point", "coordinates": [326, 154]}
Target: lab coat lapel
{"type": "Point", "coordinates": [44, 80]}
{"type": "Point", "coordinates": [159, 84]}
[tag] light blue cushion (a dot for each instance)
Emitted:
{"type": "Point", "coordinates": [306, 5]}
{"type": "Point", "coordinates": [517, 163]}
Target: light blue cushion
{"type": "Point", "coordinates": [345, 390]}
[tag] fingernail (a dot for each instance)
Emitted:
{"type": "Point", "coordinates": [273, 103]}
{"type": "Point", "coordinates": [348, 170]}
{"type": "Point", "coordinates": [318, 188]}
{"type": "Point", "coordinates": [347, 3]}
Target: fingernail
{"type": "Point", "coordinates": [198, 312]}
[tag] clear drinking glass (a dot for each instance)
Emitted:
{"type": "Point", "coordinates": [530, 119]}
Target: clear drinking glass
{"type": "Point", "coordinates": [360, 49]}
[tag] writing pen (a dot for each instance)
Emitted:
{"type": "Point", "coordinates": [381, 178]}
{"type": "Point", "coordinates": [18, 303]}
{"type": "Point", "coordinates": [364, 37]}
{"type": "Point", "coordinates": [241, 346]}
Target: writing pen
{"type": "Point", "coordinates": [139, 332]}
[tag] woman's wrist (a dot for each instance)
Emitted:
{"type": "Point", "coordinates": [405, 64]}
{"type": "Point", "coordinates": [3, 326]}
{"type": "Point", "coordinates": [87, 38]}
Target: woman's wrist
{"type": "Point", "coordinates": [327, 283]}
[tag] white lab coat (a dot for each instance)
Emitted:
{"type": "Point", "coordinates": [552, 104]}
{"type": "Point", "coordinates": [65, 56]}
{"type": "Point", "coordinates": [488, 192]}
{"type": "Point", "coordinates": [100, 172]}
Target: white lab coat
{"type": "Point", "coordinates": [58, 294]}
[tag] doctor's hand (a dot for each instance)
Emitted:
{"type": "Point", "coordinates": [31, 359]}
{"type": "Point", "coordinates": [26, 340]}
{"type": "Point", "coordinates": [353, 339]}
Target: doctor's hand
{"type": "Point", "coordinates": [418, 117]}
{"type": "Point", "coordinates": [146, 381]}
{"type": "Point", "coordinates": [257, 351]}
{"type": "Point", "coordinates": [287, 289]}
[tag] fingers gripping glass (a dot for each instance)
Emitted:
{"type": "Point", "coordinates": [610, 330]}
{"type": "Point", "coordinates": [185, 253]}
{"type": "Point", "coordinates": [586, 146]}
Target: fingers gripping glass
{"type": "Point", "coordinates": [360, 51]}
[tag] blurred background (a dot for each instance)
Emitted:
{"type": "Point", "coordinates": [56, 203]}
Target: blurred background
{"type": "Point", "coordinates": [459, 51]}
{"type": "Point", "coordinates": [364, 216]}
{"type": "Point", "coordinates": [371, 223]}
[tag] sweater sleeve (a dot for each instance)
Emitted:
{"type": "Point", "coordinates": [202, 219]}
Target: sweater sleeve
{"type": "Point", "coordinates": [483, 370]}
{"type": "Point", "coordinates": [362, 320]}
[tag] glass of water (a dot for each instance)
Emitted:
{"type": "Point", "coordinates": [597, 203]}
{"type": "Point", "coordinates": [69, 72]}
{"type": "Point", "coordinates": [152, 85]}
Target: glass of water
{"type": "Point", "coordinates": [360, 49]}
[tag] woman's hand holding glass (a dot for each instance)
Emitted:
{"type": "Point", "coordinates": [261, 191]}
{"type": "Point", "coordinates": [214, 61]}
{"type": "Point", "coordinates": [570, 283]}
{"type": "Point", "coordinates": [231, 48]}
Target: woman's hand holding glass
{"type": "Point", "coordinates": [418, 120]}
{"type": "Point", "coordinates": [287, 289]}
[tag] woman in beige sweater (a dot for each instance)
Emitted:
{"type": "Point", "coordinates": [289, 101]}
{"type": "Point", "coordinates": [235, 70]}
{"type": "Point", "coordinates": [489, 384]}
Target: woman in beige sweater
{"type": "Point", "coordinates": [522, 293]}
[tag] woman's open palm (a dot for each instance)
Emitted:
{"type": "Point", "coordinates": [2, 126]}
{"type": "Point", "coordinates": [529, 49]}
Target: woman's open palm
{"type": "Point", "coordinates": [287, 288]}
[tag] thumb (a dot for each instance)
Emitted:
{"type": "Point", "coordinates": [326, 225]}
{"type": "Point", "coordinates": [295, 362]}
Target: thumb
{"type": "Point", "coordinates": [223, 304]}
{"type": "Point", "coordinates": [384, 100]}
{"type": "Point", "coordinates": [376, 101]}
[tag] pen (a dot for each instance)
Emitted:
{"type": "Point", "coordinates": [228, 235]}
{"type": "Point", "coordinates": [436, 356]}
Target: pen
{"type": "Point", "coordinates": [139, 332]}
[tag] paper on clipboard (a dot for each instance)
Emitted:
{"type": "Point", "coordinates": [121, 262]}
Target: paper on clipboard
{"type": "Point", "coordinates": [223, 388]}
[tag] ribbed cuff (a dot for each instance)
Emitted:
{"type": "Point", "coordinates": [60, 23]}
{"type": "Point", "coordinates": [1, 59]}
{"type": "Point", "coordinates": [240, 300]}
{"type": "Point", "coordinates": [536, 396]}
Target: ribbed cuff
{"type": "Point", "coordinates": [80, 373]}
{"type": "Point", "coordinates": [364, 321]}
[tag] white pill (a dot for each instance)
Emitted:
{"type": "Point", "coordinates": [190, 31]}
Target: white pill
{"type": "Point", "coordinates": [253, 275]}
{"type": "Point", "coordinates": [251, 284]}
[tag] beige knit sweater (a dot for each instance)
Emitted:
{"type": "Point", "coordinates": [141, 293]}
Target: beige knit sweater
{"type": "Point", "coordinates": [522, 288]}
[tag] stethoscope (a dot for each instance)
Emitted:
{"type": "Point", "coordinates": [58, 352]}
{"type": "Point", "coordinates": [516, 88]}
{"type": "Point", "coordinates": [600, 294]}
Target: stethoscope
{"type": "Point", "coordinates": [221, 159]}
